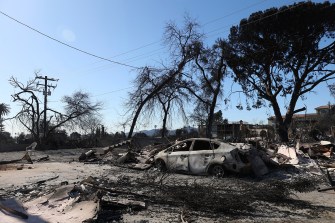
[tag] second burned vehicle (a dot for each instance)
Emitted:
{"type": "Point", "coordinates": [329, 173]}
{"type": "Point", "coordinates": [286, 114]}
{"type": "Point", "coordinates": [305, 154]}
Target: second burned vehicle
{"type": "Point", "coordinates": [204, 156]}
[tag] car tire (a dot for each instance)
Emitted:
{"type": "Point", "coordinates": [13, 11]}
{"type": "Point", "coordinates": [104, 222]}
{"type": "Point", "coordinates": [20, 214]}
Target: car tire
{"type": "Point", "coordinates": [217, 170]}
{"type": "Point", "coordinates": [160, 165]}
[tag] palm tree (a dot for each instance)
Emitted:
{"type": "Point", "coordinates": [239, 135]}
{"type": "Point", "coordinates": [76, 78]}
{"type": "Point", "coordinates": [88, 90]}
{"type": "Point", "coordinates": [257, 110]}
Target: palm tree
{"type": "Point", "coordinates": [4, 110]}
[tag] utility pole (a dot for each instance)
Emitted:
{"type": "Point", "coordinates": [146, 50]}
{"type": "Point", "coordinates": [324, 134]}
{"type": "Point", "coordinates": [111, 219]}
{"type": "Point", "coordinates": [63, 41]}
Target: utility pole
{"type": "Point", "coordinates": [46, 93]}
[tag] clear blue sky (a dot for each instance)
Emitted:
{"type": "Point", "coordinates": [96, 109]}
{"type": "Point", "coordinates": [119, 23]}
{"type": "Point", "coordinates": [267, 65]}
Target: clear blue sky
{"type": "Point", "coordinates": [126, 31]}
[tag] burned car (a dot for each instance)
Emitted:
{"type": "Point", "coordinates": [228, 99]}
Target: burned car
{"type": "Point", "coordinates": [204, 156]}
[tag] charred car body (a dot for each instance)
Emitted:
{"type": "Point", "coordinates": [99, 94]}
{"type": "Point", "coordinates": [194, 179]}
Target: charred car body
{"type": "Point", "coordinates": [204, 156]}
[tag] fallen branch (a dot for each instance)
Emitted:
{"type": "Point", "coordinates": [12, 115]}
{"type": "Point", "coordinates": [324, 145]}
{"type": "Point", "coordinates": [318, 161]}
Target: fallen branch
{"type": "Point", "coordinates": [44, 158]}
{"type": "Point", "coordinates": [326, 189]}
{"type": "Point", "coordinates": [43, 181]}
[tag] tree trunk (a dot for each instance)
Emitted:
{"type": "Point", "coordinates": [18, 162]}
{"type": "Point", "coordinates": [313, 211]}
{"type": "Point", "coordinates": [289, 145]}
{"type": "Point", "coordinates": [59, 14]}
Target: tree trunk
{"type": "Point", "coordinates": [166, 112]}
{"type": "Point", "coordinates": [210, 121]}
{"type": "Point", "coordinates": [284, 126]}
{"type": "Point", "coordinates": [164, 125]}
{"type": "Point", "coordinates": [215, 96]}
{"type": "Point", "coordinates": [283, 132]}
{"type": "Point", "coordinates": [281, 128]}
{"type": "Point", "coordinates": [138, 111]}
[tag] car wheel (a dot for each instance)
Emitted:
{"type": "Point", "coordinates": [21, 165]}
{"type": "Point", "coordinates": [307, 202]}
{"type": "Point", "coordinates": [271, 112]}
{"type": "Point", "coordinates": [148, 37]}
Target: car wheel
{"type": "Point", "coordinates": [160, 165]}
{"type": "Point", "coordinates": [217, 170]}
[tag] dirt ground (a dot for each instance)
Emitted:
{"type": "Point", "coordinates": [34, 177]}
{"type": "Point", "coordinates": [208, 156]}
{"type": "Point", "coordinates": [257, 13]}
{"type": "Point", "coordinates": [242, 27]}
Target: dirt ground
{"type": "Point", "coordinates": [41, 191]}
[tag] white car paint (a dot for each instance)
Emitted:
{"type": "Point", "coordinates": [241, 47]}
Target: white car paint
{"type": "Point", "coordinates": [198, 155]}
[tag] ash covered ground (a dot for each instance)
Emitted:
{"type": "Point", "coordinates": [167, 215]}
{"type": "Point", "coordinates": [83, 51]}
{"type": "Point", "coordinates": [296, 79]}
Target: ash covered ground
{"type": "Point", "coordinates": [47, 191]}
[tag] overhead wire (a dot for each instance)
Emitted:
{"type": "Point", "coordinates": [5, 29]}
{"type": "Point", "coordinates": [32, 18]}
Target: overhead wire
{"type": "Point", "coordinates": [141, 47]}
{"type": "Point", "coordinates": [260, 19]}
{"type": "Point", "coordinates": [68, 45]}
{"type": "Point", "coordinates": [149, 54]}
{"type": "Point", "coordinates": [234, 12]}
{"type": "Point", "coordinates": [205, 24]}
{"type": "Point", "coordinates": [123, 64]}
{"type": "Point", "coordinates": [97, 95]}
{"type": "Point", "coordinates": [130, 60]}
{"type": "Point", "coordinates": [138, 48]}
{"type": "Point", "coordinates": [213, 20]}
{"type": "Point", "coordinates": [135, 58]}
{"type": "Point", "coordinates": [112, 91]}
{"type": "Point", "coordinates": [147, 46]}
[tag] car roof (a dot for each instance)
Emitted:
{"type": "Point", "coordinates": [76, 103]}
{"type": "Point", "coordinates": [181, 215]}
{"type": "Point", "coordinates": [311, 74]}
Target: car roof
{"type": "Point", "coordinates": [201, 139]}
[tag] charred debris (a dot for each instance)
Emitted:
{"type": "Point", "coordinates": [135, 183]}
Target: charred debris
{"type": "Point", "coordinates": [271, 173]}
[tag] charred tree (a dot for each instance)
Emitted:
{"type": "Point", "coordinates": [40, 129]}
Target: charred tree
{"type": "Point", "coordinates": [77, 107]}
{"type": "Point", "coordinates": [182, 46]}
{"type": "Point", "coordinates": [211, 66]}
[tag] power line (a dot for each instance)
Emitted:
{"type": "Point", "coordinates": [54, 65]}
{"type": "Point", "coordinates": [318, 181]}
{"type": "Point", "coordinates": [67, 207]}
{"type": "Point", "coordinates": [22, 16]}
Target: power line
{"type": "Point", "coordinates": [151, 53]}
{"type": "Point", "coordinates": [135, 58]}
{"type": "Point", "coordinates": [107, 59]}
{"type": "Point", "coordinates": [129, 60]}
{"type": "Point", "coordinates": [234, 12]}
{"type": "Point", "coordinates": [65, 44]}
{"type": "Point", "coordinates": [142, 56]}
{"type": "Point", "coordinates": [109, 92]}
{"type": "Point", "coordinates": [274, 14]}
{"type": "Point", "coordinates": [138, 48]}
{"type": "Point", "coordinates": [112, 91]}
{"type": "Point", "coordinates": [260, 19]}
{"type": "Point", "coordinates": [141, 47]}
{"type": "Point", "coordinates": [205, 24]}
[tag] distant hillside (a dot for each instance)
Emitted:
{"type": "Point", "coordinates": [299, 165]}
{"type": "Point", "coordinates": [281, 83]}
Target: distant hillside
{"type": "Point", "coordinates": [172, 132]}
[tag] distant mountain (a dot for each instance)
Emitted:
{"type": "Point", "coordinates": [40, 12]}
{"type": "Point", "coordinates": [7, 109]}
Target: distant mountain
{"type": "Point", "coordinates": [150, 132]}
{"type": "Point", "coordinates": [172, 132]}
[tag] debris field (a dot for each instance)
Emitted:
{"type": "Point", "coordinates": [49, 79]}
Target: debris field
{"type": "Point", "coordinates": [120, 183]}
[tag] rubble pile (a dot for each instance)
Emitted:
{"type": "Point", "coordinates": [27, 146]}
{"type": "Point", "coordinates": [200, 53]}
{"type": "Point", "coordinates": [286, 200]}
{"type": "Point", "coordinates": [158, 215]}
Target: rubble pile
{"type": "Point", "coordinates": [122, 193]}
{"type": "Point", "coordinates": [124, 154]}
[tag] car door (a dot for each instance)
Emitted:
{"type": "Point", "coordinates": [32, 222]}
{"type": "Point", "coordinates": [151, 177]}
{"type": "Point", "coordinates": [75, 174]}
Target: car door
{"type": "Point", "coordinates": [200, 156]}
{"type": "Point", "coordinates": [177, 157]}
